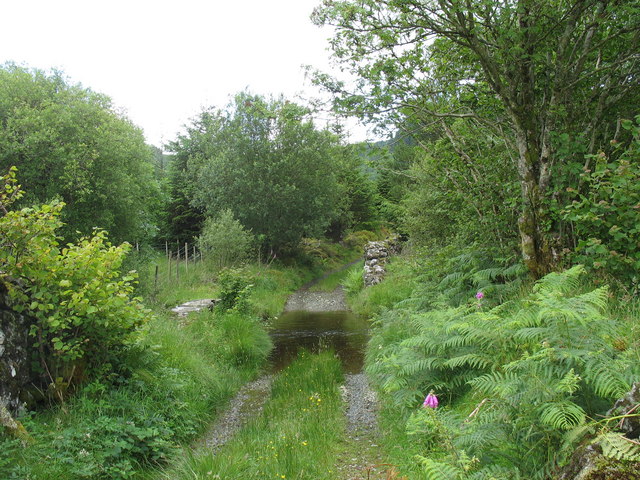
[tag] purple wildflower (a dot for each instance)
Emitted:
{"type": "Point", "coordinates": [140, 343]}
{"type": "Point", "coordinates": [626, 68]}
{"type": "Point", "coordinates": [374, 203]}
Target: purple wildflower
{"type": "Point", "coordinates": [430, 401]}
{"type": "Point", "coordinates": [479, 295]}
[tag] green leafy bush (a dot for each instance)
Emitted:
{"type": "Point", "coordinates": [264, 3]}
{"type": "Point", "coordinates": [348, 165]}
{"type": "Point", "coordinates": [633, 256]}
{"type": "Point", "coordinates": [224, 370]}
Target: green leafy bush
{"type": "Point", "coordinates": [606, 213]}
{"type": "Point", "coordinates": [224, 241]}
{"type": "Point", "coordinates": [235, 288]}
{"type": "Point", "coordinates": [83, 307]}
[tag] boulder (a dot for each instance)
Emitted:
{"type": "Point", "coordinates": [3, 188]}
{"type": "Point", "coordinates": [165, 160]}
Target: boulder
{"type": "Point", "coordinates": [15, 372]}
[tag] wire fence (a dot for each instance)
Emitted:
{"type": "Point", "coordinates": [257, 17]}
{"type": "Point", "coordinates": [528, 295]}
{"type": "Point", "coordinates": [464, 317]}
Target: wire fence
{"type": "Point", "coordinates": [179, 258]}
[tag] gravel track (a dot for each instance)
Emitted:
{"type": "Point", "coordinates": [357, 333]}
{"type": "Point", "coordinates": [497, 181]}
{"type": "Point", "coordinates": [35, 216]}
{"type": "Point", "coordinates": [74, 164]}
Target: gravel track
{"type": "Point", "coordinates": [247, 404]}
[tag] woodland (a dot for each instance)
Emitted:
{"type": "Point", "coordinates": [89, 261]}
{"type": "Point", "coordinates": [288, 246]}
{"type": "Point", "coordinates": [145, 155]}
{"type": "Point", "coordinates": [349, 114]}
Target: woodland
{"type": "Point", "coordinates": [510, 170]}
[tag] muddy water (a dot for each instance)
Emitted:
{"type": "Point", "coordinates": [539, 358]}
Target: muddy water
{"type": "Point", "coordinates": [313, 328]}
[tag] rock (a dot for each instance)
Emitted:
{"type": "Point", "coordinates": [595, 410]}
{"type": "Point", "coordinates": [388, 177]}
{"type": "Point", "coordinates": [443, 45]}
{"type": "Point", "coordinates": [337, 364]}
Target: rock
{"type": "Point", "coordinates": [628, 404]}
{"type": "Point", "coordinates": [194, 306]}
{"type": "Point", "coordinates": [376, 255]}
{"type": "Point", "coordinates": [15, 343]}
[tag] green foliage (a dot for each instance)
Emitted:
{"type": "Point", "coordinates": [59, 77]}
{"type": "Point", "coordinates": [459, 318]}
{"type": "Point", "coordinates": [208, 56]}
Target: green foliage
{"type": "Point", "coordinates": [460, 194]}
{"type": "Point", "coordinates": [353, 283]}
{"type": "Point", "coordinates": [224, 241]}
{"type": "Point", "coordinates": [235, 288]}
{"type": "Point", "coordinates": [70, 143]}
{"type": "Point", "coordinates": [542, 365]}
{"type": "Point", "coordinates": [606, 213]}
{"type": "Point", "coordinates": [296, 436]}
{"type": "Point", "coordinates": [243, 341]}
{"type": "Point", "coordinates": [253, 158]}
{"type": "Point", "coordinates": [83, 307]}
{"type": "Point", "coordinates": [167, 390]}
{"type": "Point", "coordinates": [492, 85]}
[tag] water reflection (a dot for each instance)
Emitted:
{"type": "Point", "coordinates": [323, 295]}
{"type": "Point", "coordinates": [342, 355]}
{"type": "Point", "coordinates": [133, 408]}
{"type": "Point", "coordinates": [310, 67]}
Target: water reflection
{"type": "Point", "coordinates": [342, 331]}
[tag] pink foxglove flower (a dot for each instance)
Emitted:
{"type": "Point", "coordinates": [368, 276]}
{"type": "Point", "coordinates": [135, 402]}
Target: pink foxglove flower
{"type": "Point", "coordinates": [431, 401]}
{"type": "Point", "coordinates": [479, 295]}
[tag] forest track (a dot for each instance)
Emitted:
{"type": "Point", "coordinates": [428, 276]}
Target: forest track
{"type": "Point", "coordinates": [246, 405]}
{"type": "Point", "coordinates": [361, 457]}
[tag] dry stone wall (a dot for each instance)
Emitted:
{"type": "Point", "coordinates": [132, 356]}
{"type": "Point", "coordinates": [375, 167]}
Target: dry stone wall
{"type": "Point", "coordinates": [376, 255]}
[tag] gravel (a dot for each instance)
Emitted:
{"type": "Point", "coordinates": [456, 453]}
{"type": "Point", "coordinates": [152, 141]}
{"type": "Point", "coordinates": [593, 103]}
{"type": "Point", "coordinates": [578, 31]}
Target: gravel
{"type": "Point", "coordinates": [247, 404]}
{"type": "Point", "coordinates": [362, 405]}
{"type": "Point", "coordinates": [317, 301]}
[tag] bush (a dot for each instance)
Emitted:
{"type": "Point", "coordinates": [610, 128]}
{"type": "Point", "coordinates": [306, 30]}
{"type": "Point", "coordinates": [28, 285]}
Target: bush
{"type": "Point", "coordinates": [224, 241]}
{"type": "Point", "coordinates": [235, 288]}
{"type": "Point", "coordinates": [83, 307]}
{"type": "Point", "coordinates": [606, 217]}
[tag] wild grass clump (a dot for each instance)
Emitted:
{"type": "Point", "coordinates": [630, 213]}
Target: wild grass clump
{"type": "Point", "coordinates": [398, 285]}
{"type": "Point", "coordinates": [296, 436]}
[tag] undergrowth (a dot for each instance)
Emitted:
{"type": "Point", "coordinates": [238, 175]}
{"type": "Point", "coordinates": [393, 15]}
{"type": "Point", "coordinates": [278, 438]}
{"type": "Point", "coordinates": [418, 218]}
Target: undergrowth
{"type": "Point", "coordinates": [521, 370]}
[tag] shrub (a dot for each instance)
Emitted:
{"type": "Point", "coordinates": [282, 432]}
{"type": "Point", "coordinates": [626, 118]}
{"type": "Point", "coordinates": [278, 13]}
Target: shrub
{"type": "Point", "coordinates": [606, 216]}
{"type": "Point", "coordinates": [224, 241]}
{"type": "Point", "coordinates": [83, 307]}
{"type": "Point", "coordinates": [235, 288]}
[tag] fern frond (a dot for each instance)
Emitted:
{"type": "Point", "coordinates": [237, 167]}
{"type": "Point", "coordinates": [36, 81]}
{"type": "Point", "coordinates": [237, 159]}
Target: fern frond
{"type": "Point", "coordinates": [497, 383]}
{"type": "Point", "coordinates": [439, 470]}
{"type": "Point", "coordinates": [606, 380]}
{"type": "Point", "coordinates": [563, 415]}
{"type": "Point", "coordinates": [615, 445]}
{"type": "Point", "coordinates": [575, 435]}
{"type": "Point", "coordinates": [496, 472]}
{"type": "Point", "coordinates": [562, 282]}
{"type": "Point", "coordinates": [472, 360]}
{"type": "Point", "coordinates": [531, 333]}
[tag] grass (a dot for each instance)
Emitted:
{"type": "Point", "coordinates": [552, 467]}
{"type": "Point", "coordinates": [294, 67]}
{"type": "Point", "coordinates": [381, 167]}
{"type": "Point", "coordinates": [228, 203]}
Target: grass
{"type": "Point", "coordinates": [398, 285]}
{"type": "Point", "coordinates": [296, 437]}
{"type": "Point", "coordinates": [331, 281]}
{"type": "Point", "coordinates": [166, 391]}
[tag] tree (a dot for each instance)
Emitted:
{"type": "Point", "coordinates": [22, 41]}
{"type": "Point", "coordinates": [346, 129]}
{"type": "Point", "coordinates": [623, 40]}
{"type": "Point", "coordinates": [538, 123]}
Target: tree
{"type": "Point", "coordinates": [69, 142]}
{"type": "Point", "coordinates": [266, 162]}
{"type": "Point", "coordinates": [532, 68]}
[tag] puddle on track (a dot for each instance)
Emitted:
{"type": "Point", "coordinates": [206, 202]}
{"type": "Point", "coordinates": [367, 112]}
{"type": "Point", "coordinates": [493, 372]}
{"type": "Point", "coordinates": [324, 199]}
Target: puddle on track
{"type": "Point", "coordinates": [341, 331]}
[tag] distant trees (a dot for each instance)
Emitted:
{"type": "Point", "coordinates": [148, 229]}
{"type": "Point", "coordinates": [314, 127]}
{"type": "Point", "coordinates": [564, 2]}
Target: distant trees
{"type": "Point", "coordinates": [69, 142]}
{"type": "Point", "coordinates": [266, 162]}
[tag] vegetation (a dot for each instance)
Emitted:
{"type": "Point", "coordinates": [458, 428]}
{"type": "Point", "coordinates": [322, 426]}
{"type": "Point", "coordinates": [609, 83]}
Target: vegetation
{"type": "Point", "coordinates": [512, 174]}
{"type": "Point", "coordinates": [95, 159]}
{"type": "Point", "coordinates": [296, 436]}
{"type": "Point", "coordinates": [255, 158]}
{"type": "Point", "coordinates": [528, 73]}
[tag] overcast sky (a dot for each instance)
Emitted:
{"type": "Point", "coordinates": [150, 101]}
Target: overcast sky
{"type": "Point", "coordinates": [161, 61]}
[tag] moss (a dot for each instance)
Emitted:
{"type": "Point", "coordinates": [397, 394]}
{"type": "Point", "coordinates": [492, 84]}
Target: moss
{"type": "Point", "coordinates": [611, 469]}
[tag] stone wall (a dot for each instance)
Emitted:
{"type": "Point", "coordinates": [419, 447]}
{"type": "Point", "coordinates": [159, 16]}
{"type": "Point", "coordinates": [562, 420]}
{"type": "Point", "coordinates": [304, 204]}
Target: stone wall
{"type": "Point", "coordinates": [376, 255]}
{"type": "Point", "coordinates": [14, 354]}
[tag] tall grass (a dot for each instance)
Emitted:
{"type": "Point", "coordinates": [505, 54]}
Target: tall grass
{"type": "Point", "coordinates": [296, 437]}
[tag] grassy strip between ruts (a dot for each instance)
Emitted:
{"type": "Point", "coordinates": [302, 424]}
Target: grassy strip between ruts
{"type": "Point", "coordinates": [296, 437]}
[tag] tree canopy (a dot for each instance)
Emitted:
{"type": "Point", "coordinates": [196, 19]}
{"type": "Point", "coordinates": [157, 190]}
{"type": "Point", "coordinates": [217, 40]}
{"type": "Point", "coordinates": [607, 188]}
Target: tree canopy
{"type": "Point", "coordinates": [267, 163]}
{"type": "Point", "coordinates": [69, 142]}
{"type": "Point", "coordinates": [528, 70]}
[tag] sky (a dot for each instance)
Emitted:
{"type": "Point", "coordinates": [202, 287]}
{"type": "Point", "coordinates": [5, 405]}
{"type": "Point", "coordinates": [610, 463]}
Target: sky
{"type": "Point", "coordinates": [163, 61]}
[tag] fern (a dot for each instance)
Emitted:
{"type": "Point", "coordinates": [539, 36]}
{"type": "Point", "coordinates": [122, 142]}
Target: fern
{"type": "Point", "coordinates": [563, 415]}
{"type": "Point", "coordinates": [615, 445]}
{"type": "Point", "coordinates": [439, 471]}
